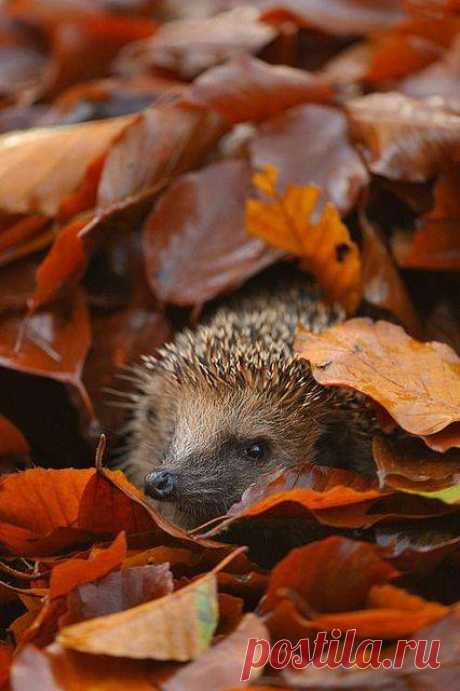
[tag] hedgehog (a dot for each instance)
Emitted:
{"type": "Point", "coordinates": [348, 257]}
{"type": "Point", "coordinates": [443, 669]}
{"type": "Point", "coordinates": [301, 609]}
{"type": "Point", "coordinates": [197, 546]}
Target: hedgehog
{"type": "Point", "coordinates": [230, 401]}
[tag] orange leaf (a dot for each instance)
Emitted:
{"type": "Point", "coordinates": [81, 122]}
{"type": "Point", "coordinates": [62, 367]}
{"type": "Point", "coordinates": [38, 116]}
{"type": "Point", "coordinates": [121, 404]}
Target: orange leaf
{"type": "Point", "coordinates": [178, 626]}
{"type": "Point", "coordinates": [417, 383]}
{"type": "Point", "coordinates": [74, 572]}
{"type": "Point", "coordinates": [39, 168]}
{"type": "Point", "coordinates": [325, 247]}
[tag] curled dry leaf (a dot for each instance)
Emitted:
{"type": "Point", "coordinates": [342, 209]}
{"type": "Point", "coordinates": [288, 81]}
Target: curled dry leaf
{"type": "Point", "coordinates": [202, 216]}
{"type": "Point", "coordinates": [325, 247]}
{"type": "Point", "coordinates": [404, 139]}
{"type": "Point", "coordinates": [418, 384]}
{"type": "Point", "coordinates": [52, 344]}
{"type": "Point", "coordinates": [440, 79]}
{"type": "Point", "coordinates": [307, 593]}
{"type": "Point", "coordinates": [436, 241]}
{"type": "Point", "coordinates": [57, 669]}
{"type": "Point", "coordinates": [118, 591]}
{"type": "Point", "coordinates": [324, 156]}
{"type": "Point", "coordinates": [246, 89]}
{"type": "Point", "coordinates": [187, 47]}
{"type": "Point", "coordinates": [411, 466]}
{"type": "Point", "coordinates": [76, 572]}
{"type": "Point", "coordinates": [160, 142]}
{"type": "Point", "coordinates": [39, 168]}
{"type": "Point", "coordinates": [178, 626]}
{"type": "Point", "coordinates": [43, 512]}
{"type": "Point", "coordinates": [337, 17]}
{"type": "Point", "coordinates": [220, 667]}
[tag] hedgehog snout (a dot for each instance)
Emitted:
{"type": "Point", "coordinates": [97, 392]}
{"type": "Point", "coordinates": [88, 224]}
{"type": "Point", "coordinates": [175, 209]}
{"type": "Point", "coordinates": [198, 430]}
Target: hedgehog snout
{"type": "Point", "coordinates": [161, 485]}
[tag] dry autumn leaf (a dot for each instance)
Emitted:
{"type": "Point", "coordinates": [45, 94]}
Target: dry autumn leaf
{"type": "Point", "coordinates": [325, 247]}
{"type": "Point", "coordinates": [307, 593]}
{"type": "Point", "coordinates": [188, 47]}
{"type": "Point", "coordinates": [418, 384]}
{"type": "Point", "coordinates": [188, 219]}
{"type": "Point", "coordinates": [326, 157]}
{"type": "Point", "coordinates": [404, 139]}
{"type": "Point", "coordinates": [55, 161]}
{"type": "Point", "coordinates": [272, 88]}
{"type": "Point", "coordinates": [411, 466]}
{"type": "Point", "coordinates": [178, 626]}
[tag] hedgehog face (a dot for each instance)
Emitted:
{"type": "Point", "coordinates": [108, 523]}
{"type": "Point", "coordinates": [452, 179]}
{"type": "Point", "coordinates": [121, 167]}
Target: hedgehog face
{"type": "Point", "coordinates": [197, 448]}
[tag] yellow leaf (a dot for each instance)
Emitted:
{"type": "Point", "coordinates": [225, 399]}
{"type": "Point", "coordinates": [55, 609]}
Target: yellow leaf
{"type": "Point", "coordinates": [325, 247]}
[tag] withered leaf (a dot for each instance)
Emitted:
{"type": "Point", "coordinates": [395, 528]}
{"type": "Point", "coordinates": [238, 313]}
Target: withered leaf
{"type": "Point", "coordinates": [159, 143]}
{"type": "Point", "coordinates": [341, 17]}
{"type": "Point", "coordinates": [118, 591]}
{"type": "Point", "coordinates": [324, 158]}
{"type": "Point", "coordinates": [325, 247]}
{"type": "Point", "coordinates": [178, 626]}
{"type": "Point", "coordinates": [411, 466]}
{"type": "Point", "coordinates": [417, 383]}
{"type": "Point", "coordinates": [189, 221]}
{"type": "Point", "coordinates": [246, 89]}
{"type": "Point", "coordinates": [53, 343]}
{"type": "Point", "coordinates": [341, 583]}
{"type": "Point", "coordinates": [75, 572]}
{"type": "Point", "coordinates": [39, 168]}
{"type": "Point", "coordinates": [220, 666]}
{"type": "Point", "coordinates": [57, 669]}
{"type": "Point", "coordinates": [187, 47]}
{"type": "Point", "coordinates": [404, 139]}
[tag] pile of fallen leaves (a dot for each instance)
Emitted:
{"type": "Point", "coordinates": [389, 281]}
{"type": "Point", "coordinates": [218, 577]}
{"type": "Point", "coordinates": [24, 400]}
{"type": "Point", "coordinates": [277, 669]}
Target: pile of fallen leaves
{"type": "Point", "coordinates": [155, 156]}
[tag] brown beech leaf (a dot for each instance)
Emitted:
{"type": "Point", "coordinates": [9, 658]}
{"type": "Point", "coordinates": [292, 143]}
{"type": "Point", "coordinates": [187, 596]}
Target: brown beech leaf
{"type": "Point", "coordinates": [178, 626]}
{"type": "Point", "coordinates": [305, 476]}
{"type": "Point", "coordinates": [117, 591]}
{"type": "Point", "coordinates": [338, 17]}
{"type": "Point", "coordinates": [325, 247]}
{"type": "Point", "coordinates": [76, 572]}
{"type": "Point", "coordinates": [187, 47]}
{"type": "Point", "coordinates": [39, 168]}
{"type": "Point", "coordinates": [340, 583]}
{"type": "Point", "coordinates": [404, 139]}
{"type": "Point", "coordinates": [382, 284]}
{"type": "Point", "coordinates": [44, 511]}
{"type": "Point", "coordinates": [188, 221]}
{"type": "Point", "coordinates": [332, 575]}
{"type": "Point", "coordinates": [409, 465]}
{"type": "Point", "coordinates": [52, 344]}
{"type": "Point", "coordinates": [159, 143]}
{"type": "Point", "coordinates": [418, 384]}
{"type": "Point", "coordinates": [57, 669]}
{"type": "Point", "coordinates": [436, 241]}
{"type": "Point", "coordinates": [246, 89]}
{"type": "Point", "coordinates": [220, 666]}
{"type": "Point", "coordinates": [440, 79]}
{"type": "Point", "coordinates": [325, 158]}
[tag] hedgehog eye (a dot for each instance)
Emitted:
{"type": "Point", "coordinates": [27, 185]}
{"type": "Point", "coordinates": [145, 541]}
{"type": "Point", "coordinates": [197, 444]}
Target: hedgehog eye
{"type": "Point", "coordinates": [255, 451]}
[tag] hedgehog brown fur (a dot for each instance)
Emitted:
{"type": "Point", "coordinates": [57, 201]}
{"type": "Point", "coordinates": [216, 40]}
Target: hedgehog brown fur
{"type": "Point", "coordinates": [229, 401]}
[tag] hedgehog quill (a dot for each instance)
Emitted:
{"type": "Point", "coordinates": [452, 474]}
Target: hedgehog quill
{"type": "Point", "coordinates": [219, 406]}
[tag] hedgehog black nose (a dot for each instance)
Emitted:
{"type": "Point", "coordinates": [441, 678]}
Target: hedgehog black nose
{"type": "Point", "coordinates": [160, 484]}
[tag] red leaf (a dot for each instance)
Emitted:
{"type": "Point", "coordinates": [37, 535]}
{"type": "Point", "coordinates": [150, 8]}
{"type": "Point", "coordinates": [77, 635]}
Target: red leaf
{"type": "Point", "coordinates": [193, 250]}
